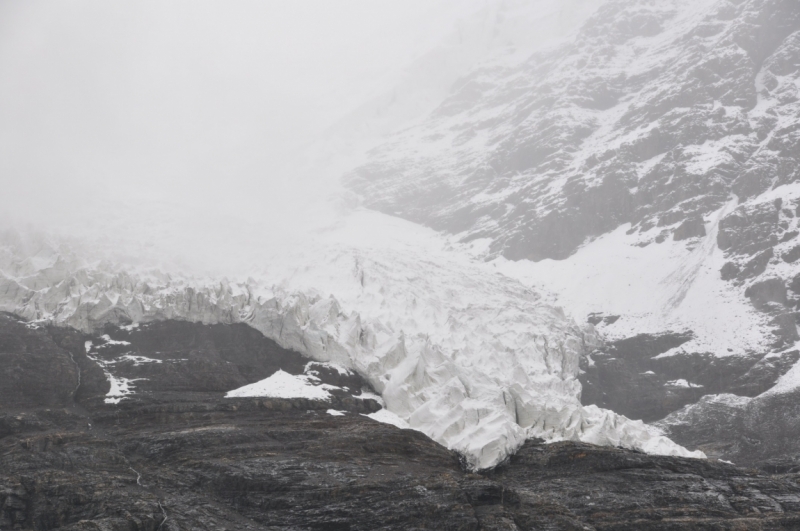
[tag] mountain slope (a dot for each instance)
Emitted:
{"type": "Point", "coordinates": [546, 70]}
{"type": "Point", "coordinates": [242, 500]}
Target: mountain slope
{"type": "Point", "coordinates": [645, 174]}
{"type": "Point", "coordinates": [654, 114]}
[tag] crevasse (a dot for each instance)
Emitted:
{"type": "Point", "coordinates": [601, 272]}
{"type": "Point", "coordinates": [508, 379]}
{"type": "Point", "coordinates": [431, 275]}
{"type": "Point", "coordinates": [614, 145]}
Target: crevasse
{"type": "Point", "coordinates": [460, 352]}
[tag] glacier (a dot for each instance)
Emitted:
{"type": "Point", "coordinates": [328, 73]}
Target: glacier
{"type": "Point", "coordinates": [458, 350]}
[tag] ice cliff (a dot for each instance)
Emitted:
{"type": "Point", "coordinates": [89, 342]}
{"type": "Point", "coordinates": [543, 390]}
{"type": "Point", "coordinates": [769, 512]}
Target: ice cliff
{"type": "Point", "coordinates": [470, 357]}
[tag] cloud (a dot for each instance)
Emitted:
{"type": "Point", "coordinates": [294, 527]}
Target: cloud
{"type": "Point", "coordinates": [201, 102]}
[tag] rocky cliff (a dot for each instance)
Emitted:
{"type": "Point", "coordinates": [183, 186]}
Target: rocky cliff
{"type": "Point", "coordinates": [177, 455]}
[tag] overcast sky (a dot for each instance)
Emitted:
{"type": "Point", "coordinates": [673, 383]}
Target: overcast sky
{"type": "Point", "coordinates": [195, 98]}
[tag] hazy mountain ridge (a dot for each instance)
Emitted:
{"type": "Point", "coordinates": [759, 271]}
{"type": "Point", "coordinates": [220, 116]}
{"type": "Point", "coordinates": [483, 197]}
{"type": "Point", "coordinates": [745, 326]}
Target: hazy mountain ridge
{"type": "Point", "coordinates": [654, 115]}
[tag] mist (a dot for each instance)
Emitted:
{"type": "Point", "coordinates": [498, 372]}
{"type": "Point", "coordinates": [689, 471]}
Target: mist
{"type": "Point", "coordinates": [205, 104]}
{"type": "Point", "coordinates": [201, 130]}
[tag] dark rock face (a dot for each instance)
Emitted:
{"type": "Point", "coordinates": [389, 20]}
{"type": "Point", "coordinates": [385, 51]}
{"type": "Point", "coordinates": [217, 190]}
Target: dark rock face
{"type": "Point", "coordinates": [720, 405]}
{"type": "Point", "coordinates": [169, 459]}
{"type": "Point", "coordinates": [622, 377]}
{"type": "Point", "coordinates": [34, 371]}
{"type": "Point", "coordinates": [607, 488]}
{"type": "Point", "coordinates": [597, 318]}
{"type": "Point", "coordinates": [771, 290]}
{"type": "Point", "coordinates": [749, 230]}
{"type": "Point", "coordinates": [792, 255]}
{"type": "Point", "coordinates": [180, 356]}
{"type": "Point", "coordinates": [691, 228]}
{"type": "Point", "coordinates": [754, 432]}
{"type": "Point", "coordinates": [629, 377]}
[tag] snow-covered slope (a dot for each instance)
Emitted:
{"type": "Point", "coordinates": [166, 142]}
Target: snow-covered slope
{"type": "Point", "coordinates": [652, 289]}
{"type": "Point", "coordinates": [467, 355]}
{"type": "Point", "coordinates": [654, 114]}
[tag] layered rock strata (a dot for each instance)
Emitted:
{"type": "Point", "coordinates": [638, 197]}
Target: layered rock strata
{"type": "Point", "coordinates": [177, 457]}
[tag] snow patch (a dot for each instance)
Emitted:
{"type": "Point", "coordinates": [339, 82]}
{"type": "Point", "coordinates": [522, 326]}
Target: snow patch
{"type": "Point", "coordinates": [284, 385]}
{"type": "Point", "coordinates": [309, 368]}
{"type": "Point", "coordinates": [387, 417]}
{"type": "Point", "coordinates": [366, 395]}
{"type": "Point", "coordinates": [137, 360]}
{"type": "Point", "coordinates": [120, 388]}
{"type": "Point", "coordinates": [109, 342]}
{"type": "Point", "coordinates": [682, 383]}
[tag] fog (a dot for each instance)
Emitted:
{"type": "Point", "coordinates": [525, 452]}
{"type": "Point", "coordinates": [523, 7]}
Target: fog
{"type": "Point", "coordinates": [207, 103]}
{"type": "Point", "coordinates": [199, 128]}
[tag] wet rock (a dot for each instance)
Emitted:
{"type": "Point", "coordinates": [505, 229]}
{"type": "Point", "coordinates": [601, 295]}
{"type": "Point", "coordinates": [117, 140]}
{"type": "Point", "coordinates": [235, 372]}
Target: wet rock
{"type": "Point", "coordinates": [608, 488]}
{"type": "Point", "coordinates": [782, 465]}
{"type": "Point", "coordinates": [747, 431]}
{"type": "Point", "coordinates": [621, 377]}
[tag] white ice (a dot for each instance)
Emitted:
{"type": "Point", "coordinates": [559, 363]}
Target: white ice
{"type": "Point", "coordinates": [387, 417]}
{"type": "Point", "coordinates": [472, 357]}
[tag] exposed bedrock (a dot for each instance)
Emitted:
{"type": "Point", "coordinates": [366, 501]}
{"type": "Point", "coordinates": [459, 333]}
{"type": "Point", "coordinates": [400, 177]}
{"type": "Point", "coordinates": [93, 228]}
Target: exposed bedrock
{"type": "Point", "coordinates": [34, 371]}
{"type": "Point", "coordinates": [728, 407]}
{"type": "Point", "coordinates": [629, 376]}
{"type": "Point", "coordinates": [762, 431]}
{"type": "Point", "coordinates": [177, 457]}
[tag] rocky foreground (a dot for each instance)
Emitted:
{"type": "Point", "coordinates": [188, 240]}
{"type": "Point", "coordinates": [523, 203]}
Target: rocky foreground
{"type": "Point", "coordinates": [174, 453]}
